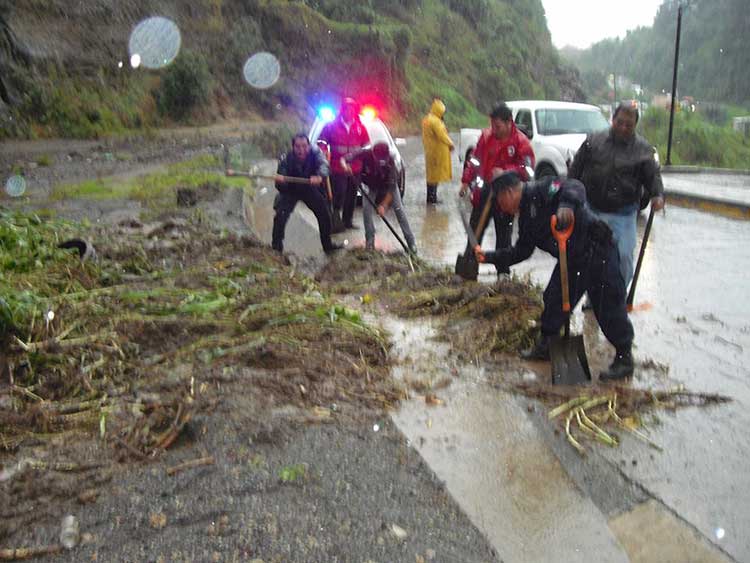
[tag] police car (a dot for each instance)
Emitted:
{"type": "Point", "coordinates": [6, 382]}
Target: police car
{"type": "Point", "coordinates": [377, 131]}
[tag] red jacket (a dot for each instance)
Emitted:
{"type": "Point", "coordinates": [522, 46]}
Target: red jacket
{"type": "Point", "coordinates": [343, 142]}
{"type": "Point", "coordinates": [511, 154]}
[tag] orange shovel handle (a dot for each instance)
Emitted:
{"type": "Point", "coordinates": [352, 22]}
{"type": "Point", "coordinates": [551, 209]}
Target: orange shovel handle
{"type": "Point", "coordinates": [562, 244]}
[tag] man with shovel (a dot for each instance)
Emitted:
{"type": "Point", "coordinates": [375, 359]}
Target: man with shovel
{"type": "Point", "coordinates": [379, 174]}
{"type": "Point", "coordinates": [299, 177]}
{"type": "Point", "coordinates": [504, 147]}
{"type": "Point", "coordinates": [593, 262]}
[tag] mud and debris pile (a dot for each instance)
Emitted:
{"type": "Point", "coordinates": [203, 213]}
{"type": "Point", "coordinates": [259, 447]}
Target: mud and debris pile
{"type": "Point", "coordinates": [599, 413]}
{"type": "Point", "coordinates": [479, 320]}
{"type": "Point", "coordinates": [125, 345]}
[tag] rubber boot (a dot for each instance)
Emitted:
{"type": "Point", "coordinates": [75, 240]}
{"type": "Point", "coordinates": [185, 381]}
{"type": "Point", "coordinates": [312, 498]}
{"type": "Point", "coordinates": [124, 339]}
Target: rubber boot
{"type": "Point", "coordinates": [622, 366]}
{"type": "Point", "coordinates": [432, 195]}
{"type": "Point", "coordinates": [539, 352]}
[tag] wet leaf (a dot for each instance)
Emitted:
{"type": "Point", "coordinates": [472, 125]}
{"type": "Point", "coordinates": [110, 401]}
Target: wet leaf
{"type": "Point", "coordinates": [157, 520]}
{"type": "Point", "coordinates": [432, 399]}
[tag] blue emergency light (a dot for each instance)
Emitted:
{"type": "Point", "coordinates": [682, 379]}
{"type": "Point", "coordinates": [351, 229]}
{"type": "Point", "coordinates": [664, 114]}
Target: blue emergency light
{"type": "Point", "coordinates": [326, 114]}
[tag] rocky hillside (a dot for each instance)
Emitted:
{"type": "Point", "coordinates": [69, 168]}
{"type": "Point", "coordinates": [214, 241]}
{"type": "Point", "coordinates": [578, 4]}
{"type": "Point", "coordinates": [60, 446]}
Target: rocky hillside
{"type": "Point", "coordinates": [64, 66]}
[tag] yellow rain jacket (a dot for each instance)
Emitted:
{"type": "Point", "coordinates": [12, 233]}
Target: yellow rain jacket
{"type": "Point", "coordinates": [437, 145]}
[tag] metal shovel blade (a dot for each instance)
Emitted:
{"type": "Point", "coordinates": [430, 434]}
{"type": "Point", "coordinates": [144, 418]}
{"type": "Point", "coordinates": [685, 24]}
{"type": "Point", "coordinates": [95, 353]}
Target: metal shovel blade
{"type": "Point", "coordinates": [467, 266]}
{"type": "Point", "coordinates": [569, 363]}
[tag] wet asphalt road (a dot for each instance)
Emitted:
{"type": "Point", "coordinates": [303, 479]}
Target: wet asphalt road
{"type": "Point", "coordinates": [692, 324]}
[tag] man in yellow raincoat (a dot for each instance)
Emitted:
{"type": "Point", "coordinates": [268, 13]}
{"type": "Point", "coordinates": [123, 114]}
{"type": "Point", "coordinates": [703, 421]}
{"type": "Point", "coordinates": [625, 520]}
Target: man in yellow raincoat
{"type": "Point", "coordinates": [437, 149]}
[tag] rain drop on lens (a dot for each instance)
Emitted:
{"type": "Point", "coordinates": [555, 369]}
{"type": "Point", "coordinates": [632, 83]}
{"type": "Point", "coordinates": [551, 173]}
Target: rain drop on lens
{"type": "Point", "coordinates": [156, 40]}
{"type": "Point", "coordinates": [262, 70]}
{"type": "Point", "coordinates": [15, 186]}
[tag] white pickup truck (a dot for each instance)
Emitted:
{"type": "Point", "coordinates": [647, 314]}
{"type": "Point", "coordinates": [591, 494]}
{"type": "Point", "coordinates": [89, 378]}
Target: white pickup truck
{"type": "Point", "coordinates": [556, 131]}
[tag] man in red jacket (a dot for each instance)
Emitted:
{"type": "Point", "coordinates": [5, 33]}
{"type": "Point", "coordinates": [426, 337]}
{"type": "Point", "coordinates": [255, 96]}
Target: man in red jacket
{"type": "Point", "coordinates": [345, 135]}
{"type": "Point", "coordinates": [501, 148]}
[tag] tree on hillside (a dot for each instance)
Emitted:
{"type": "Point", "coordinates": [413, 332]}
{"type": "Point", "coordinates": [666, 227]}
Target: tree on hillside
{"type": "Point", "coordinates": [713, 53]}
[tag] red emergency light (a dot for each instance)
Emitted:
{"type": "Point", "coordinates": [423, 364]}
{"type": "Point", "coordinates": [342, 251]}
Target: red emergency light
{"type": "Point", "coordinates": [368, 113]}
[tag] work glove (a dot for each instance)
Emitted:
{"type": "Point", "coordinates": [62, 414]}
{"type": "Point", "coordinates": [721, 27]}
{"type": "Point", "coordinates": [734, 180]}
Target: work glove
{"type": "Point", "coordinates": [565, 218]}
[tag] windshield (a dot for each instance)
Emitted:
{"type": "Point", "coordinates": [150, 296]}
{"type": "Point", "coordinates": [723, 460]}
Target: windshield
{"type": "Point", "coordinates": [566, 121]}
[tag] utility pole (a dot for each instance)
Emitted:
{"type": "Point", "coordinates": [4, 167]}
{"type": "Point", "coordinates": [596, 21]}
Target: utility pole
{"type": "Point", "coordinates": [614, 85]}
{"type": "Point", "coordinates": [674, 84]}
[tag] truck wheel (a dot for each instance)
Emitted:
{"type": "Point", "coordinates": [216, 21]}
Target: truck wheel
{"type": "Point", "coordinates": [544, 171]}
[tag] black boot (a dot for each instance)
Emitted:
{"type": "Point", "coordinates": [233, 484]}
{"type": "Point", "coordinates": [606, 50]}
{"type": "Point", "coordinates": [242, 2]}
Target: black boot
{"type": "Point", "coordinates": [333, 248]}
{"type": "Point", "coordinates": [432, 194]}
{"type": "Point", "coordinates": [621, 367]}
{"type": "Point", "coordinates": [539, 352]}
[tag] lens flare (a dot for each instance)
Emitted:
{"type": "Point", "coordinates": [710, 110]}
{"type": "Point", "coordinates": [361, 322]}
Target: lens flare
{"type": "Point", "coordinates": [262, 70]}
{"type": "Point", "coordinates": [15, 186]}
{"type": "Point", "coordinates": [156, 41]}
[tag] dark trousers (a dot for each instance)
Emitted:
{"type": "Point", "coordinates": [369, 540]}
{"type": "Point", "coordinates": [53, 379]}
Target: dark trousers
{"type": "Point", "coordinates": [503, 224]}
{"type": "Point", "coordinates": [345, 195]}
{"type": "Point", "coordinates": [599, 274]}
{"type": "Point", "coordinates": [284, 205]}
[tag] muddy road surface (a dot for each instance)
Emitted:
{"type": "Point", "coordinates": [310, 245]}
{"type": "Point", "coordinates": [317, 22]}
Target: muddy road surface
{"type": "Point", "coordinates": [692, 331]}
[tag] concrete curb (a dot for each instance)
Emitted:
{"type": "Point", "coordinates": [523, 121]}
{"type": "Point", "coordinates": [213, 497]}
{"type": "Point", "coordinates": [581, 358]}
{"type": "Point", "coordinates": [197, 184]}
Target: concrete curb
{"type": "Point", "coordinates": [674, 169]}
{"type": "Point", "coordinates": [725, 207]}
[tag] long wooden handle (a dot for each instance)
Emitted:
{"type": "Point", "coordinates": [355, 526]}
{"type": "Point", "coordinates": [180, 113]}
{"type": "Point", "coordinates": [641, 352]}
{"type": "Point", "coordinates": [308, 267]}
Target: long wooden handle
{"type": "Point", "coordinates": [631, 293]}
{"type": "Point", "coordinates": [562, 244]}
{"type": "Point", "coordinates": [287, 179]}
{"type": "Point", "coordinates": [483, 217]}
{"type": "Point", "coordinates": [564, 276]}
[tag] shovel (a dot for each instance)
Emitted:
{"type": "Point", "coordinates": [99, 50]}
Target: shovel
{"type": "Point", "coordinates": [647, 232]}
{"type": "Point", "coordinates": [568, 354]}
{"type": "Point", "coordinates": [388, 224]}
{"type": "Point", "coordinates": [466, 264]}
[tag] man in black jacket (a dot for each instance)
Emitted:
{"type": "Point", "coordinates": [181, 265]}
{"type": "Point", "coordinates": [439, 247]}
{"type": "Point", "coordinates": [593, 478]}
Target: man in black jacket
{"type": "Point", "coordinates": [593, 260]}
{"type": "Point", "coordinates": [303, 161]}
{"type": "Point", "coordinates": [618, 168]}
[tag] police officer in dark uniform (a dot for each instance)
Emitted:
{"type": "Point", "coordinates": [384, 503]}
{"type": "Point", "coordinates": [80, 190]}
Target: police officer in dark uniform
{"type": "Point", "coordinates": [303, 161]}
{"type": "Point", "coordinates": [380, 176]}
{"type": "Point", "coordinates": [593, 260]}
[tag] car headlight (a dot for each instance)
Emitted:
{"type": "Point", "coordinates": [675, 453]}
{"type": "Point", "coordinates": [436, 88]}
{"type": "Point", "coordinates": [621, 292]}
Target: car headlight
{"type": "Point", "coordinates": [656, 157]}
